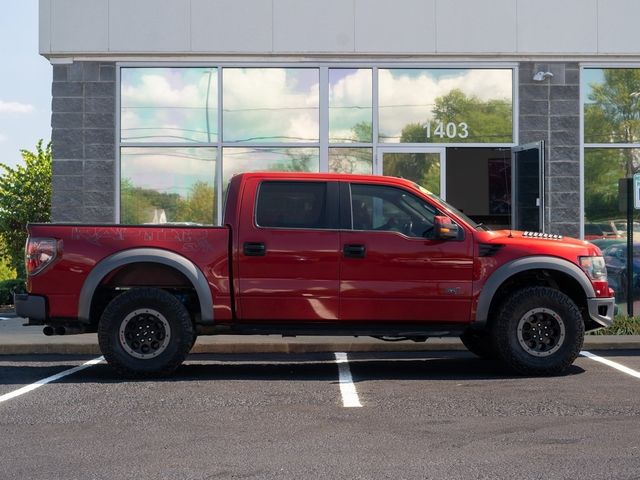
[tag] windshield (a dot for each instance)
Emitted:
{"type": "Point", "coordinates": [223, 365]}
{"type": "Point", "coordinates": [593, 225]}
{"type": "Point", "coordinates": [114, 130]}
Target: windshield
{"type": "Point", "coordinates": [451, 208]}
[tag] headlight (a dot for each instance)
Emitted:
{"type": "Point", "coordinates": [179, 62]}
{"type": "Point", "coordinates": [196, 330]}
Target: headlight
{"type": "Point", "coordinates": [594, 267]}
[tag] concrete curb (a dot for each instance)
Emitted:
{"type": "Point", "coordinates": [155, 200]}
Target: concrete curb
{"type": "Point", "coordinates": [247, 345]}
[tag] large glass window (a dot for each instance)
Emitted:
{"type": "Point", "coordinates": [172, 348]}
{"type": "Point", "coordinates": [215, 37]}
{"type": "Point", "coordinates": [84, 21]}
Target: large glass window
{"type": "Point", "coordinates": [419, 167]}
{"type": "Point", "coordinates": [237, 160]}
{"type": "Point", "coordinates": [611, 116]}
{"type": "Point", "coordinates": [611, 105]}
{"type": "Point", "coordinates": [445, 105]}
{"type": "Point", "coordinates": [181, 125]}
{"type": "Point", "coordinates": [177, 105]}
{"type": "Point", "coordinates": [167, 185]}
{"type": "Point", "coordinates": [271, 105]}
{"type": "Point", "coordinates": [351, 160]}
{"type": "Point", "coordinates": [350, 105]}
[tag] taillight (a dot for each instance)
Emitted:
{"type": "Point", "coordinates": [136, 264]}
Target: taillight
{"type": "Point", "coordinates": [39, 253]}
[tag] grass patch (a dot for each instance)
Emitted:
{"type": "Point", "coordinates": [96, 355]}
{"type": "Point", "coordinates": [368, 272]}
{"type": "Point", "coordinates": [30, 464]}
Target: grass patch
{"type": "Point", "coordinates": [622, 325]}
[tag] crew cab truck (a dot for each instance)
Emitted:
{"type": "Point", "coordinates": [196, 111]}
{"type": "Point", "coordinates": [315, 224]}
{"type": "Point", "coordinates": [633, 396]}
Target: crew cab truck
{"type": "Point", "coordinates": [318, 254]}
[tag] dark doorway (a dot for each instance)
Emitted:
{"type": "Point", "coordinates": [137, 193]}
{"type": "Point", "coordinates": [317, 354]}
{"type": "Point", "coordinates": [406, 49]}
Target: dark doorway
{"type": "Point", "coordinates": [479, 183]}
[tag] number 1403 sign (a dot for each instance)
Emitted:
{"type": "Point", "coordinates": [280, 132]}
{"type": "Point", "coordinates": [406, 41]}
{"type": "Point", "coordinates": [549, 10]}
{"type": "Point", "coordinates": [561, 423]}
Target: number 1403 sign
{"type": "Point", "coordinates": [447, 130]}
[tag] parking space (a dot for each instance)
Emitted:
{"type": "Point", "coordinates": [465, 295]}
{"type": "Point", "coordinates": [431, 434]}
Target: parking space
{"type": "Point", "coordinates": [423, 415]}
{"type": "Point", "coordinates": [16, 371]}
{"type": "Point", "coordinates": [629, 358]}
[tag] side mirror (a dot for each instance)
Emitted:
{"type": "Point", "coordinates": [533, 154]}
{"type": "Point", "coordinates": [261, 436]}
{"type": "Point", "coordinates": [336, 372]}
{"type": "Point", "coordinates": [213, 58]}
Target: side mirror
{"type": "Point", "coordinates": [444, 228]}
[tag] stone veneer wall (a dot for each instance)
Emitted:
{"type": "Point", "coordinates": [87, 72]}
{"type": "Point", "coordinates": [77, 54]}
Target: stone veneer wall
{"type": "Point", "coordinates": [83, 141]}
{"type": "Point", "coordinates": [550, 111]}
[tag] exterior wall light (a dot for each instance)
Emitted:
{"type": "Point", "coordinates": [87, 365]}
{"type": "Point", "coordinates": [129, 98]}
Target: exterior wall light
{"type": "Point", "coordinates": [541, 76]}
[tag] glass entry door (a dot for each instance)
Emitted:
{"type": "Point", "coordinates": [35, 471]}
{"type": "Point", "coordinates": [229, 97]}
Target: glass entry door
{"type": "Point", "coordinates": [527, 178]}
{"type": "Point", "coordinates": [424, 166]}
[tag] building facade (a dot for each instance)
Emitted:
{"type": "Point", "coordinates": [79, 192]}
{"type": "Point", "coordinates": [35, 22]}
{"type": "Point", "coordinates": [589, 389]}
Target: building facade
{"type": "Point", "coordinates": [521, 113]}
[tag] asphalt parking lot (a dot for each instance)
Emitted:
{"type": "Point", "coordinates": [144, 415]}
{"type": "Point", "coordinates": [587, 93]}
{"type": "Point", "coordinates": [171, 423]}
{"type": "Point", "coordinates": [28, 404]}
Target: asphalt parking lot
{"type": "Point", "coordinates": [421, 415]}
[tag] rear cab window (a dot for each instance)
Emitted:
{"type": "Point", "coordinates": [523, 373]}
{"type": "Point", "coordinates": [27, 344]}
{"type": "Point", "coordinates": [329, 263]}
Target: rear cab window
{"type": "Point", "coordinates": [300, 205]}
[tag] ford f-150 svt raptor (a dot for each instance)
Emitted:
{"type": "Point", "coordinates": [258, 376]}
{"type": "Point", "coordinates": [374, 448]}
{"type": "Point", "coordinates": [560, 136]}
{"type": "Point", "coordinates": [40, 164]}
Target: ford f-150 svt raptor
{"type": "Point", "coordinates": [318, 254]}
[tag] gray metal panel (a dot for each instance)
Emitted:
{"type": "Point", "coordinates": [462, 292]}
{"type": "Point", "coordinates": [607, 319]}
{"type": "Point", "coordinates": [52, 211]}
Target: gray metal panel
{"type": "Point", "coordinates": [147, 255]}
{"type": "Point", "coordinates": [569, 27]}
{"type": "Point", "coordinates": [520, 265]}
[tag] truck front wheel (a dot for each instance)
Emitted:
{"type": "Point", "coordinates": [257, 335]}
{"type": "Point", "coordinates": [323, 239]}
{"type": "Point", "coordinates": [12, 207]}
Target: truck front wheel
{"type": "Point", "coordinates": [145, 331]}
{"type": "Point", "coordinates": [538, 331]}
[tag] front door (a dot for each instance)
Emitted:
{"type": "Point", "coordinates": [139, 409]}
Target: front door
{"type": "Point", "coordinates": [424, 166]}
{"type": "Point", "coordinates": [527, 179]}
{"type": "Point", "coordinates": [392, 269]}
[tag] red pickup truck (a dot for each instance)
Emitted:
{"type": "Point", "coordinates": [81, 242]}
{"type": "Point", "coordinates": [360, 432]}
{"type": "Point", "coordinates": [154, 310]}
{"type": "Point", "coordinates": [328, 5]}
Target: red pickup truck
{"type": "Point", "coordinates": [318, 254]}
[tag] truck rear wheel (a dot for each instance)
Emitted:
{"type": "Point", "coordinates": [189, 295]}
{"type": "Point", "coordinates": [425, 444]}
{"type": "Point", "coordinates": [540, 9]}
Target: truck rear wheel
{"type": "Point", "coordinates": [145, 331]}
{"type": "Point", "coordinates": [538, 331]}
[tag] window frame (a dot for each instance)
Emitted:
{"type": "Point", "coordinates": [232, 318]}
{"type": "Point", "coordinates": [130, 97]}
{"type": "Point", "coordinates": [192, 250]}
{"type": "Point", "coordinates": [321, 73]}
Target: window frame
{"type": "Point", "coordinates": [323, 92]}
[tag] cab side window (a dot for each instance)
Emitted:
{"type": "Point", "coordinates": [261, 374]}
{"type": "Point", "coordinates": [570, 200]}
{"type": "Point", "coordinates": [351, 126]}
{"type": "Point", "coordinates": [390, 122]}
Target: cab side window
{"type": "Point", "coordinates": [383, 208]}
{"type": "Point", "coordinates": [292, 205]}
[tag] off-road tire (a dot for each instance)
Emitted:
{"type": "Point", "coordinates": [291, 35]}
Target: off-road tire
{"type": "Point", "coordinates": [158, 313]}
{"type": "Point", "coordinates": [480, 343]}
{"type": "Point", "coordinates": [556, 310]}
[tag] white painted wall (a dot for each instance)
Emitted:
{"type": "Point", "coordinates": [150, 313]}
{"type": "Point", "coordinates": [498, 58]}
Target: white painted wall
{"type": "Point", "coordinates": [340, 27]}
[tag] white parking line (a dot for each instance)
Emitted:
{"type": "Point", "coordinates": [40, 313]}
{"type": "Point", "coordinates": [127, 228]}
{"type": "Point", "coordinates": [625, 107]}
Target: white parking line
{"type": "Point", "coordinates": [347, 388]}
{"type": "Point", "coordinates": [53, 378]}
{"type": "Point", "coordinates": [610, 363]}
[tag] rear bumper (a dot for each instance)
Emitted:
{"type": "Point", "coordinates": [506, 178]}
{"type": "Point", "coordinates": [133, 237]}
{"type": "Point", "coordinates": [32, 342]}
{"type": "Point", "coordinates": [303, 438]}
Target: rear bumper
{"type": "Point", "coordinates": [602, 310]}
{"type": "Point", "coordinates": [33, 307]}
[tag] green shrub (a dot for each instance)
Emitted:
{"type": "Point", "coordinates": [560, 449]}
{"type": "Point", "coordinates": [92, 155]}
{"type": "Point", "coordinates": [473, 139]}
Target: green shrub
{"type": "Point", "coordinates": [622, 325]}
{"type": "Point", "coordinates": [25, 196]}
{"type": "Point", "coordinates": [7, 287]}
{"type": "Point", "coordinates": [6, 271]}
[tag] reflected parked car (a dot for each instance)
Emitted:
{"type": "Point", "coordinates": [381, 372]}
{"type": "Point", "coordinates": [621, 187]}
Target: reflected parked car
{"type": "Point", "coordinates": [615, 258]}
{"type": "Point", "coordinates": [595, 231]}
{"type": "Point", "coordinates": [604, 243]}
{"type": "Point", "coordinates": [620, 226]}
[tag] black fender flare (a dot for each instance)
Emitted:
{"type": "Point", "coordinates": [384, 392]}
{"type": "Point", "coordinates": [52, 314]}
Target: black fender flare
{"type": "Point", "coordinates": [146, 255]}
{"type": "Point", "coordinates": [514, 267]}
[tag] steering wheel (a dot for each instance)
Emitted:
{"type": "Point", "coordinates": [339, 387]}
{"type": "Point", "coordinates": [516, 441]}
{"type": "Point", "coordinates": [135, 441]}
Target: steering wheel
{"type": "Point", "coordinates": [407, 227]}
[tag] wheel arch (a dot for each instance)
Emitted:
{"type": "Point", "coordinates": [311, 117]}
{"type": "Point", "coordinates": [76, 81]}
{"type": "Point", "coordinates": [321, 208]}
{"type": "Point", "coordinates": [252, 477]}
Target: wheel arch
{"type": "Point", "coordinates": [146, 255]}
{"type": "Point", "coordinates": [521, 265]}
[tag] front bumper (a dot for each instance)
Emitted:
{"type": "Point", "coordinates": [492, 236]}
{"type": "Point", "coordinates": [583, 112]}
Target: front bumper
{"type": "Point", "coordinates": [602, 310]}
{"type": "Point", "coordinates": [33, 307]}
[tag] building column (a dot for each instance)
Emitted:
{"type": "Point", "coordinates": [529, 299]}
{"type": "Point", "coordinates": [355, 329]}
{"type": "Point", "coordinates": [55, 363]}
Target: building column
{"type": "Point", "coordinates": [83, 142]}
{"type": "Point", "coordinates": [550, 111]}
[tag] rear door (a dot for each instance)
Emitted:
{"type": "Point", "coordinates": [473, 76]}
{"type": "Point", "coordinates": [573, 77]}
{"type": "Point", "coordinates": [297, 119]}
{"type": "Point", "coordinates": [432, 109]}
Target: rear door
{"type": "Point", "coordinates": [288, 251]}
{"type": "Point", "coordinates": [391, 270]}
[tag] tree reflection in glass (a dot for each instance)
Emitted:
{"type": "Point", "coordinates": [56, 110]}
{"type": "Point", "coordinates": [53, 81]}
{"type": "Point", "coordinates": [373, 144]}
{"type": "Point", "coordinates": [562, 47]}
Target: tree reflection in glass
{"type": "Point", "coordinates": [448, 105]}
{"type": "Point", "coordinates": [168, 185]}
